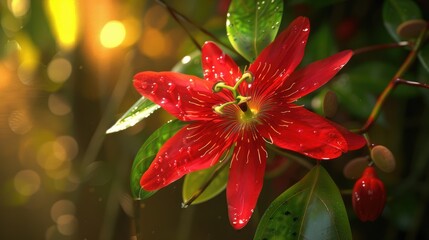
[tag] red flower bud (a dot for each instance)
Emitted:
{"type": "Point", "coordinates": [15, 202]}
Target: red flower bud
{"type": "Point", "coordinates": [369, 196]}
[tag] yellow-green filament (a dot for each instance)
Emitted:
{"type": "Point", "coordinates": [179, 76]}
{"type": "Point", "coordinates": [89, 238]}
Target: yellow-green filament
{"type": "Point", "coordinates": [248, 77]}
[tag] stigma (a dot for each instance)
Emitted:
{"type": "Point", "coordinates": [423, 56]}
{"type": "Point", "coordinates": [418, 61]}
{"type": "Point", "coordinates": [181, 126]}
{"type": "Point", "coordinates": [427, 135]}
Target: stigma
{"type": "Point", "coordinates": [239, 100]}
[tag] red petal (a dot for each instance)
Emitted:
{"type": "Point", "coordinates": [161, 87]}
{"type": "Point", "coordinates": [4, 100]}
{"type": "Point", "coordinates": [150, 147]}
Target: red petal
{"type": "Point", "coordinates": [196, 146]}
{"type": "Point", "coordinates": [246, 177]}
{"type": "Point", "coordinates": [313, 76]}
{"type": "Point", "coordinates": [354, 141]}
{"type": "Point", "coordinates": [184, 96]}
{"type": "Point", "coordinates": [300, 130]}
{"type": "Point", "coordinates": [218, 66]}
{"type": "Point", "coordinates": [282, 56]}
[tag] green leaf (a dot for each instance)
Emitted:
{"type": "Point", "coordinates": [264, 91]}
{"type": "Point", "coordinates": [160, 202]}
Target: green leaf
{"type": "Point", "coordinates": [356, 101]}
{"type": "Point", "coordinates": [252, 25]}
{"type": "Point", "coordinates": [146, 154]}
{"type": "Point", "coordinates": [190, 64]}
{"type": "Point", "coordinates": [396, 12]}
{"type": "Point", "coordinates": [196, 181]}
{"type": "Point", "coordinates": [142, 109]}
{"type": "Point", "coordinates": [311, 209]}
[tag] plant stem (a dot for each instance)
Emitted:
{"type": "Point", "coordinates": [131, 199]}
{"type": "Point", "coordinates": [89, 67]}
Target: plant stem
{"type": "Point", "coordinates": [137, 219]}
{"type": "Point", "coordinates": [411, 83]}
{"type": "Point", "coordinates": [393, 82]}
{"type": "Point", "coordinates": [381, 47]}
{"type": "Point", "coordinates": [174, 13]}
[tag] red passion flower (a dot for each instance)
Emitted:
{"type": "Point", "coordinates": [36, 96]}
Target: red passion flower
{"type": "Point", "coordinates": [369, 196]}
{"type": "Point", "coordinates": [243, 112]}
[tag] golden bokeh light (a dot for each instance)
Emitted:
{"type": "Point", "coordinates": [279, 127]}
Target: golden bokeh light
{"type": "Point", "coordinates": [112, 34]}
{"type": "Point", "coordinates": [29, 56]}
{"type": "Point", "coordinates": [63, 17]}
{"type": "Point", "coordinates": [132, 26]}
{"type": "Point", "coordinates": [62, 207]}
{"type": "Point", "coordinates": [18, 8]}
{"type": "Point", "coordinates": [67, 224]}
{"type": "Point", "coordinates": [59, 173]}
{"type": "Point", "coordinates": [156, 17]}
{"type": "Point", "coordinates": [59, 70]}
{"type": "Point", "coordinates": [70, 145]}
{"type": "Point", "coordinates": [51, 155]}
{"type": "Point", "coordinates": [57, 105]}
{"type": "Point", "coordinates": [154, 43]}
{"type": "Point", "coordinates": [27, 182]}
{"type": "Point", "coordinates": [20, 122]}
{"type": "Point", "coordinates": [10, 24]}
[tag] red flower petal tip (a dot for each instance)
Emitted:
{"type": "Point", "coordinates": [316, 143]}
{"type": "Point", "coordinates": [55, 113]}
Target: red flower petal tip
{"type": "Point", "coordinates": [369, 196]}
{"type": "Point", "coordinates": [238, 221]}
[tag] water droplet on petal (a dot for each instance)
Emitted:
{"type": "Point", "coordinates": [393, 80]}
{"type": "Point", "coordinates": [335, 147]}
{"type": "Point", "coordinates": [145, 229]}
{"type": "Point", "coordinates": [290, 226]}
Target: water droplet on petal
{"type": "Point", "coordinates": [154, 88]}
{"type": "Point", "coordinates": [163, 101]}
{"type": "Point", "coordinates": [171, 87]}
{"type": "Point", "coordinates": [143, 85]}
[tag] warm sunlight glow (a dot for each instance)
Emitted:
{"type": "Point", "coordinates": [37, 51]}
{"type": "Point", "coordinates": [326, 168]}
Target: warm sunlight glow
{"type": "Point", "coordinates": [27, 182]}
{"type": "Point", "coordinates": [113, 34]}
{"type": "Point", "coordinates": [59, 70]}
{"type": "Point", "coordinates": [154, 44]}
{"type": "Point", "coordinates": [18, 7]}
{"type": "Point", "coordinates": [64, 21]}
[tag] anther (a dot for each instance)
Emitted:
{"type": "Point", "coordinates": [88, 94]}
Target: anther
{"type": "Point", "coordinates": [217, 87]}
{"type": "Point", "coordinates": [248, 76]}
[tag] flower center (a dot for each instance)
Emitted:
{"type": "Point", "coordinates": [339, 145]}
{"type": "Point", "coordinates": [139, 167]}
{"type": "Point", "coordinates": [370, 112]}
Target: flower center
{"type": "Point", "coordinates": [247, 114]}
{"type": "Point", "coordinates": [239, 100]}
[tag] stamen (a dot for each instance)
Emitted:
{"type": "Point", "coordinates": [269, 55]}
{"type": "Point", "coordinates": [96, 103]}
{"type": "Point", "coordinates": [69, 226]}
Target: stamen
{"type": "Point", "coordinates": [218, 109]}
{"type": "Point", "coordinates": [217, 87]}
{"type": "Point", "coordinates": [246, 75]}
{"type": "Point", "coordinates": [239, 100]}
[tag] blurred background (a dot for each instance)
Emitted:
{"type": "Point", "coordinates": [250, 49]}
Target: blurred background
{"type": "Point", "coordinates": [65, 77]}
